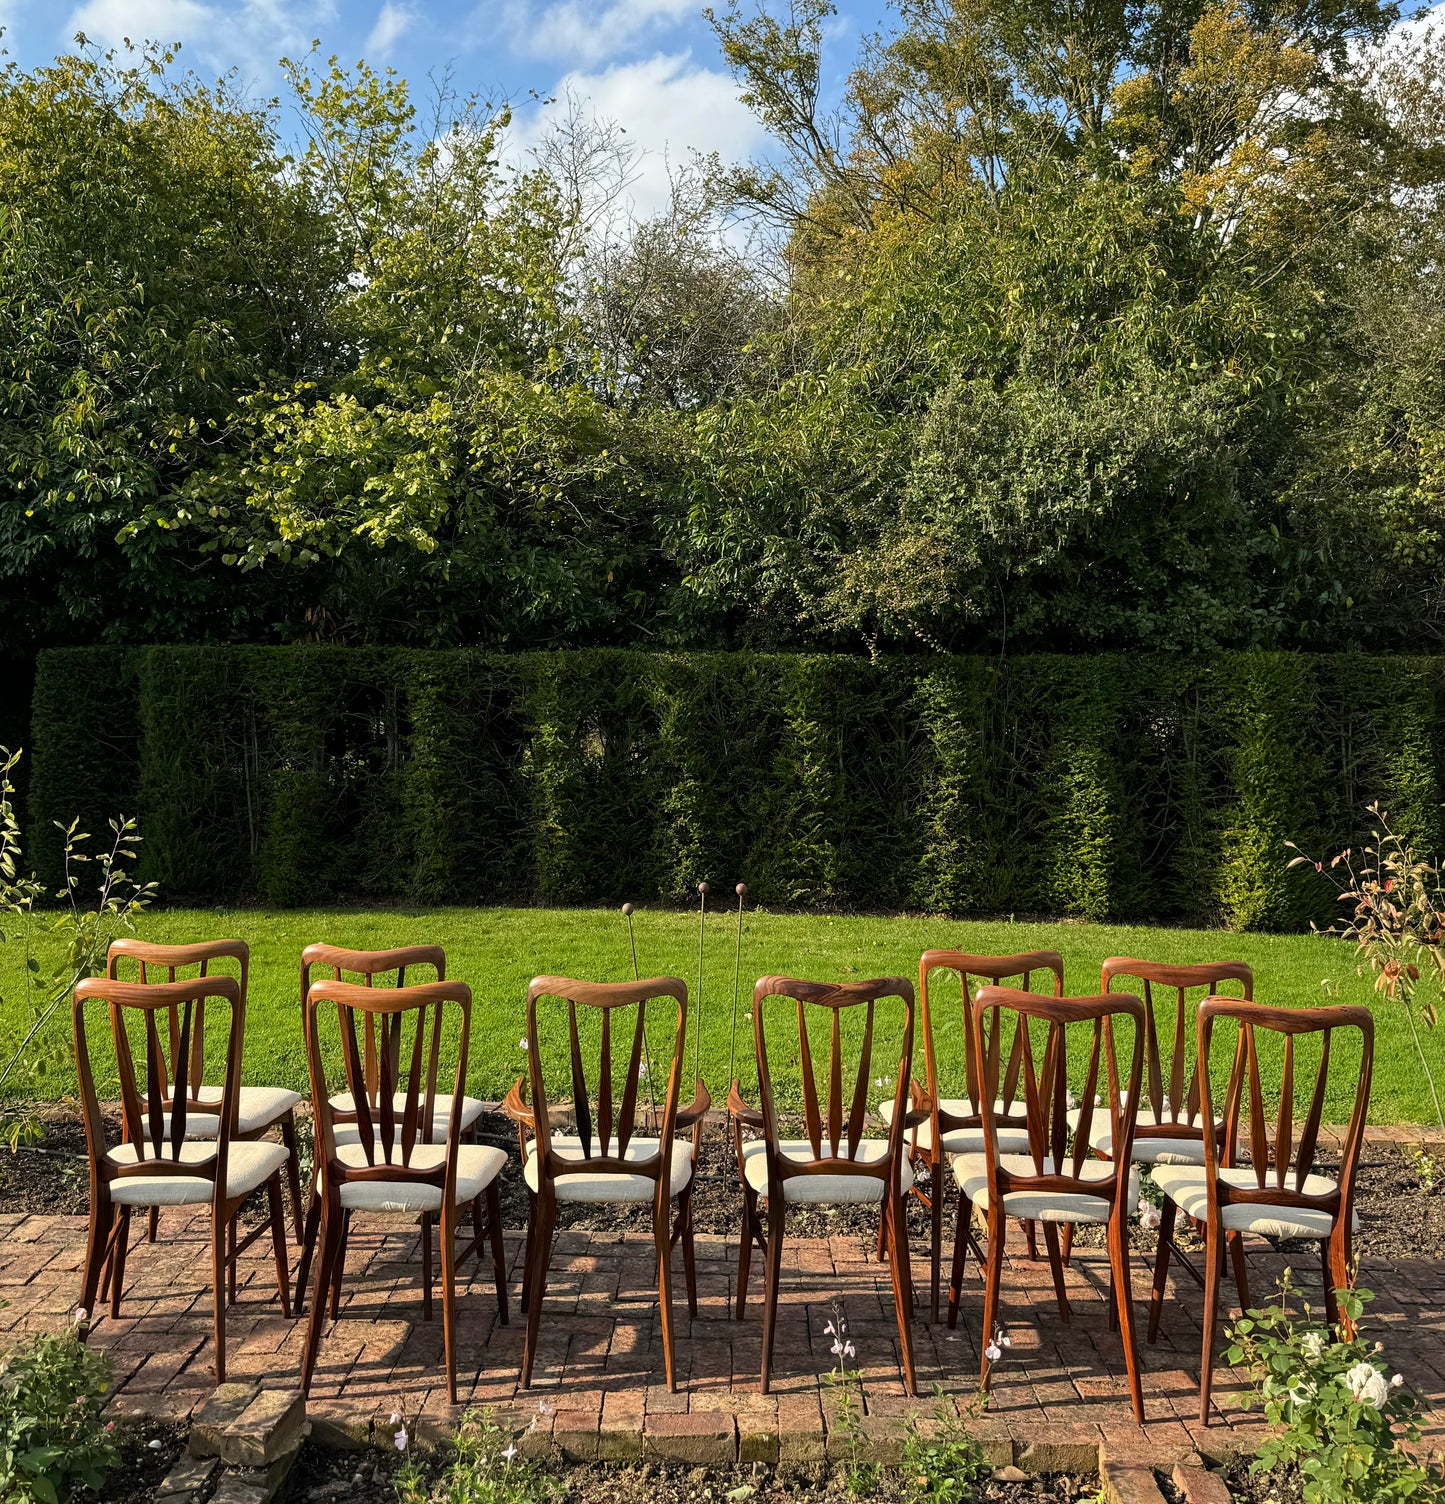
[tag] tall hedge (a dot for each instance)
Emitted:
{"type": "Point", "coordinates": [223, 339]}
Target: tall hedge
{"type": "Point", "coordinates": [1123, 787]}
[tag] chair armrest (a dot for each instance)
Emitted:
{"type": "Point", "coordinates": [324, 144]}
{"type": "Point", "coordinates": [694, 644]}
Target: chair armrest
{"type": "Point", "coordinates": [740, 1110]}
{"type": "Point", "coordinates": [515, 1105]}
{"type": "Point", "coordinates": [701, 1102]}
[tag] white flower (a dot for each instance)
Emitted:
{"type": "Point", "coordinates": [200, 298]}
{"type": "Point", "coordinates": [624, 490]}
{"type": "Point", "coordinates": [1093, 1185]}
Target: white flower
{"type": "Point", "coordinates": [993, 1352]}
{"type": "Point", "coordinates": [1312, 1345]}
{"type": "Point", "coordinates": [849, 1351]}
{"type": "Point", "coordinates": [511, 1451]}
{"type": "Point", "coordinates": [1301, 1391]}
{"type": "Point", "coordinates": [395, 1419]}
{"type": "Point", "coordinates": [1003, 1339]}
{"type": "Point", "coordinates": [81, 1316]}
{"type": "Point", "coordinates": [1367, 1385]}
{"type": "Point", "coordinates": [1149, 1215]}
{"type": "Point", "coordinates": [1397, 1381]}
{"type": "Point", "coordinates": [837, 1348]}
{"type": "Point", "coordinates": [400, 1439]}
{"type": "Point", "coordinates": [522, 1043]}
{"type": "Point", "coordinates": [543, 1408]}
{"type": "Point", "coordinates": [829, 1330]}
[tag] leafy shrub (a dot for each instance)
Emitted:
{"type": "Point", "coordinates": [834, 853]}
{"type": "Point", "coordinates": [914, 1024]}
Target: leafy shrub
{"type": "Point", "coordinates": [944, 1465]}
{"type": "Point", "coordinates": [482, 1468]}
{"type": "Point", "coordinates": [52, 1438]}
{"type": "Point", "coordinates": [1343, 1418]}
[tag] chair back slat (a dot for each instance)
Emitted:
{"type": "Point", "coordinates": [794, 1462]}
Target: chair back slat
{"type": "Point", "coordinates": [603, 1153]}
{"type": "Point", "coordinates": [837, 1152]}
{"type": "Point", "coordinates": [1280, 1168]}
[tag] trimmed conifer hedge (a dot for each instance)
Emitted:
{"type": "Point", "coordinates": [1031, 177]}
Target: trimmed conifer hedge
{"type": "Point", "coordinates": [1122, 787]}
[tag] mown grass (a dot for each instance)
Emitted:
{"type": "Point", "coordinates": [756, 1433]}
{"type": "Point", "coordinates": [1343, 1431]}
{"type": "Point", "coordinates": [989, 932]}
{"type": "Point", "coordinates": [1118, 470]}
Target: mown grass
{"type": "Point", "coordinates": [497, 951]}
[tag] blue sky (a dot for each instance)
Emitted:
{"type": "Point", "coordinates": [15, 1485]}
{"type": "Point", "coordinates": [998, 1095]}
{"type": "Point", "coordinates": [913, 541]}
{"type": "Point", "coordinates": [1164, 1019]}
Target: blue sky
{"type": "Point", "coordinates": [652, 66]}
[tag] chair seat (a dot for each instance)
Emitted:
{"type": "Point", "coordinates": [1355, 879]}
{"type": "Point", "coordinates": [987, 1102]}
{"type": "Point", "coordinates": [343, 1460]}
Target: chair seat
{"type": "Point", "coordinates": [478, 1165]}
{"type": "Point", "coordinates": [610, 1185]}
{"type": "Point", "coordinates": [248, 1165]}
{"type": "Point", "coordinates": [838, 1188]}
{"type": "Point", "coordinates": [1146, 1150]}
{"type": "Point", "coordinates": [259, 1108]}
{"type": "Point", "coordinates": [1187, 1186]}
{"type": "Point", "coordinates": [343, 1101]}
{"type": "Point", "coordinates": [971, 1172]}
{"type": "Point", "coordinates": [1011, 1140]}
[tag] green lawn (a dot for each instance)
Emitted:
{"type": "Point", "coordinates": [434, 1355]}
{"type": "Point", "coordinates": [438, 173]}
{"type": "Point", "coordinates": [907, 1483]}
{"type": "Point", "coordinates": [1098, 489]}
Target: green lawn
{"type": "Point", "coordinates": [496, 951]}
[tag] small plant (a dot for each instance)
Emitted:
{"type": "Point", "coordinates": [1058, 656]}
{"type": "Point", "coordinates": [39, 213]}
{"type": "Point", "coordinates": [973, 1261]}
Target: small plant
{"type": "Point", "coordinates": [1425, 1166]}
{"type": "Point", "coordinates": [53, 1440]}
{"type": "Point", "coordinates": [86, 930]}
{"type": "Point", "coordinates": [1395, 915]}
{"type": "Point", "coordinates": [845, 1385]}
{"type": "Point", "coordinates": [1342, 1418]}
{"type": "Point", "coordinates": [483, 1469]}
{"type": "Point", "coordinates": [946, 1464]}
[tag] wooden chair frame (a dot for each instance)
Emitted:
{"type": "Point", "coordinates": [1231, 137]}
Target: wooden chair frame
{"type": "Point", "coordinates": [927, 1097]}
{"type": "Point", "coordinates": [826, 1137]}
{"type": "Point", "coordinates": [157, 1128]}
{"type": "Point", "coordinates": [531, 1111]}
{"type": "Point", "coordinates": [384, 1011]}
{"type": "Point", "coordinates": [1046, 1099]}
{"type": "Point", "coordinates": [1279, 1176]}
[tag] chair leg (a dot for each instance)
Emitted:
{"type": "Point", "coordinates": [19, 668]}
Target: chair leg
{"type": "Point", "coordinates": [221, 1215]}
{"type": "Point", "coordinates": [1066, 1242]}
{"type": "Point", "coordinates": [1124, 1304]}
{"type": "Point", "coordinates": [527, 1251]}
{"type": "Point", "coordinates": [231, 1260]}
{"type": "Point", "coordinates": [153, 1223]}
{"type": "Point", "coordinates": [1211, 1310]}
{"type": "Point", "coordinates": [882, 1249]}
{"type": "Point", "coordinates": [992, 1279]}
{"type": "Point", "coordinates": [309, 1234]}
{"type": "Point", "coordinates": [330, 1239]}
{"type": "Point", "coordinates": [1240, 1267]}
{"type": "Point", "coordinates": [662, 1244]}
{"type": "Point", "coordinates": [776, 1217]}
{"type": "Point", "coordinates": [689, 1251]}
{"type": "Point", "coordinates": [1056, 1267]}
{"type": "Point", "coordinates": [1167, 1214]}
{"type": "Point", "coordinates": [541, 1257]}
{"type": "Point", "coordinates": [1339, 1272]}
{"type": "Point", "coordinates": [479, 1228]}
{"type": "Point", "coordinates": [745, 1248]}
{"type": "Point", "coordinates": [426, 1274]}
{"type": "Point", "coordinates": [449, 1295]}
{"type": "Point", "coordinates": [960, 1253]}
{"type": "Point", "coordinates": [278, 1244]}
{"type": "Point", "coordinates": [339, 1263]}
{"type": "Point", "coordinates": [102, 1222]}
{"type": "Point", "coordinates": [1031, 1241]}
{"type": "Point", "coordinates": [293, 1173]}
{"type": "Point", "coordinates": [499, 1251]}
{"type": "Point", "coordinates": [117, 1260]}
{"type": "Point", "coordinates": [902, 1285]}
{"type": "Point", "coordinates": [935, 1266]}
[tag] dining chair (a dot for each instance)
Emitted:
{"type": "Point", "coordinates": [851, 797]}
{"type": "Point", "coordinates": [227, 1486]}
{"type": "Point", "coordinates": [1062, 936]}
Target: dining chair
{"type": "Point", "coordinates": [1057, 1180]}
{"type": "Point", "coordinates": [603, 1160]}
{"type": "Point", "coordinates": [382, 1155]}
{"type": "Point", "coordinates": [953, 1124]}
{"type": "Point", "coordinates": [835, 1164]}
{"type": "Point", "coordinates": [1276, 1193]}
{"type": "Point", "coordinates": [261, 1108]}
{"type": "Point", "coordinates": [390, 967]}
{"type": "Point", "coordinates": [159, 1163]}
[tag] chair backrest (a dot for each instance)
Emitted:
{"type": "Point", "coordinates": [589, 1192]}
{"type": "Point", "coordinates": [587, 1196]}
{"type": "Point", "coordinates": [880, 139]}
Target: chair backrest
{"type": "Point", "coordinates": [154, 1105]}
{"type": "Point", "coordinates": [1282, 1158]}
{"type": "Point", "coordinates": [149, 958]}
{"type": "Point", "coordinates": [832, 1136]}
{"type": "Point", "coordinates": [1174, 1097]}
{"type": "Point", "coordinates": [369, 965]}
{"type": "Point", "coordinates": [1069, 1026]}
{"type": "Point", "coordinates": [405, 1025]}
{"type": "Point", "coordinates": [605, 1137]}
{"type": "Point", "coordinates": [995, 971]}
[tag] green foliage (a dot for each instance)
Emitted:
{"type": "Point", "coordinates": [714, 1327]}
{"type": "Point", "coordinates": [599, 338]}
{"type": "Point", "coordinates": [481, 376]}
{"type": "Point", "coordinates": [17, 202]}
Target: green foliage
{"type": "Point", "coordinates": [53, 1441]}
{"type": "Point", "coordinates": [1119, 786]}
{"type": "Point", "coordinates": [943, 1463]}
{"type": "Point", "coordinates": [482, 1467]}
{"type": "Point", "coordinates": [1341, 1417]}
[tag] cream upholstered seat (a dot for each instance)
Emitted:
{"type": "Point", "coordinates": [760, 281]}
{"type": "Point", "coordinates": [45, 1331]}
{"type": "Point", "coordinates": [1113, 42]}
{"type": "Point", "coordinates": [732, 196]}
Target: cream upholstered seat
{"type": "Point", "coordinates": [248, 1165]}
{"type": "Point", "coordinates": [1011, 1140]}
{"type": "Point", "coordinates": [610, 1185]}
{"type": "Point", "coordinates": [1188, 1188]}
{"type": "Point", "coordinates": [829, 1187]}
{"type": "Point", "coordinates": [343, 1101]}
{"type": "Point", "coordinates": [1144, 1150]}
{"type": "Point", "coordinates": [478, 1165]}
{"type": "Point", "coordinates": [971, 1173]}
{"type": "Point", "coordinates": [258, 1108]}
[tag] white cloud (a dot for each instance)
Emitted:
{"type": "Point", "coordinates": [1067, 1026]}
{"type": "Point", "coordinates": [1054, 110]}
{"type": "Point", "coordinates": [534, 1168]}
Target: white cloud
{"type": "Point", "coordinates": [585, 32]}
{"type": "Point", "coordinates": [669, 107]}
{"type": "Point", "coordinates": [391, 23]}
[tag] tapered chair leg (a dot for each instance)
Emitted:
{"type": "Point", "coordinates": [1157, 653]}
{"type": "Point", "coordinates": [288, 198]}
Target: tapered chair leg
{"type": "Point", "coordinates": [338, 1269]}
{"type": "Point", "coordinates": [1161, 1267]}
{"type": "Point", "coordinates": [776, 1218]}
{"type": "Point", "coordinates": [293, 1173]}
{"type": "Point", "coordinates": [662, 1243]}
{"type": "Point", "coordinates": [527, 1252]}
{"type": "Point", "coordinates": [541, 1257]}
{"type": "Point", "coordinates": [499, 1250]}
{"type": "Point", "coordinates": [1124, 1306]}
{"type": "Point", "coordinates": [960, 1253]}
{"type": "Point", "coordinates": [426, 1270]}
{"type": "Point", "coordinates": [449, 1296]}
{"type": "Point", "coordinates": [220, 1228]}
{"type": "Point", "coordinates": [329, 1236]}
{"type": "Point", "coordinates": [1056, 1267]}
{"type": "Point", "coordinates": [992, 1279]}
{"type": "Point", "coordinates": [117, 1260]}
{"type": "Point", "coordinates": [309, 1235]}
{"type": "Point", "coordinates": [1211, 1312]}
{"type": "Point", "coordinates": [745, 1249]}
{"type": "Point", "coordinates": [902, 1286]}
{"type": "Point", "coordinates": [102, 1223]}
{"type": "Point", "coordinates": [278, 1243]}
{"type": "Point", "coordinates": [1241, 1268]}
{"type": "Point", "coordinates": [689, 1251]}
{"type": "Point", "coordinates": [935, 1212]}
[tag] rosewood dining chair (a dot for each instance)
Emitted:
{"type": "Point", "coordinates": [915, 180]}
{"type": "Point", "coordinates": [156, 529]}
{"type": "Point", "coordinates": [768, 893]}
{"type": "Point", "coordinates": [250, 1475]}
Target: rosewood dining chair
{"type": "Point", "coordinates": [603, 1159]}
{"type": "Point", "coordinates": [261, 1108]}
{"type": "Point", "coordinates": [1056, 1180]}
{"type": "Point", "coordinates": [835, 1164]}
{"type": "Point", "coordinates": [381, 1154]}
{"type": "Point", "coordinates": [954, 1124]}
{"type": "Point", "coordinates": [373, 967]}
{"type": "Point", "coordinates": [160, 1163]}
{"type": "Point", "coordinates": [1261, 1178]}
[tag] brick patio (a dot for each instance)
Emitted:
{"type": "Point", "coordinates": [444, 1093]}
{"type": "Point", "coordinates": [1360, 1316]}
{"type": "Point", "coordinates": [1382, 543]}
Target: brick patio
{"type": "Point", "coordinates": [599, 1391]}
